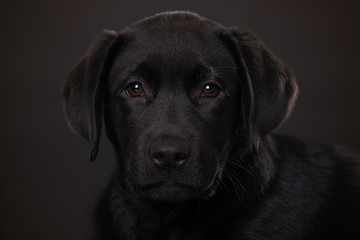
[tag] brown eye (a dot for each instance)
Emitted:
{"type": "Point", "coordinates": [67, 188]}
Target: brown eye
{"type": "Point", "coordinates": [210, 91]}
{"type": "Point", "coordinates": [135, 90]}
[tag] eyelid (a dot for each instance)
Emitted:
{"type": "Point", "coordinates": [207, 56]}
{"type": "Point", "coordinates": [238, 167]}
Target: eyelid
{"type": "Point", "coordinates": [126, 82]}
{"type": "Point", "coordinates": [132, 80]}
{"type": "Point", "coordinates": [217, 84]}
{"type": "Point", "coordinates": [131, 92]}
{"type": "Point", "coordinates": [213, 92]}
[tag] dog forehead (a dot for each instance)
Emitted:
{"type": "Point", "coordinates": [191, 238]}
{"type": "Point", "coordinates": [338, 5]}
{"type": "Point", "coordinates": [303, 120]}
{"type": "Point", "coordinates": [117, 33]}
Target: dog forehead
{"type": "Point", "coordinates": [173, 44]}
{"type": "Point", "coordinates": [171, 39]}
{"type": "Point", "coordinates": [174, 32]}
{"type": "Point", "coordinates": [177, 39]}
{"type": "Point", "coordinates": [177, 19]}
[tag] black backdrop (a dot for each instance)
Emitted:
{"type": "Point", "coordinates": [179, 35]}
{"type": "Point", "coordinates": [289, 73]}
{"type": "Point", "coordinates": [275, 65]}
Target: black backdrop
{"type": "Point", "coordinates": [48, 185]}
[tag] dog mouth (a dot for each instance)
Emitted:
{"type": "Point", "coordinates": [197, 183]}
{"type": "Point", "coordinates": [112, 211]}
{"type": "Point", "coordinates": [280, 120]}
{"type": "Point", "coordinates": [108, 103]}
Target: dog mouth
{"type": "Point", "coordinates": [174, 190]}
{"type": "Point", "coordinates": [170, 191]}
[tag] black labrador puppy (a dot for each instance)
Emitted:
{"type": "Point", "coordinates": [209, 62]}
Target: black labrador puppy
{"type": "Point", "coordinates": [190, 107]}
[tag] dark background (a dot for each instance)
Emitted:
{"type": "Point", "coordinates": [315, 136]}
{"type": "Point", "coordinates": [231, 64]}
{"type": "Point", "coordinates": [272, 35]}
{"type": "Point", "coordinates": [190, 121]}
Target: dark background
{"type": "Point", "coordinates": [49, 186]}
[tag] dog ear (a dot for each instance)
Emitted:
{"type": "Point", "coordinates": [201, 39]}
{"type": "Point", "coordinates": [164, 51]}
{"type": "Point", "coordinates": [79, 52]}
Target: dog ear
{"type": "Point", "coordinates": [83, 91]}
{"type": "Point", "coordinates": [268, 86]}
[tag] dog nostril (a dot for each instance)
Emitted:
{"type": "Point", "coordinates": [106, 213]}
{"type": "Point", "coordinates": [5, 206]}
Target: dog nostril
{"type": "Point", "coordinates": [169, 152]}
{"type": "Point", "coordinates": [181, 156]}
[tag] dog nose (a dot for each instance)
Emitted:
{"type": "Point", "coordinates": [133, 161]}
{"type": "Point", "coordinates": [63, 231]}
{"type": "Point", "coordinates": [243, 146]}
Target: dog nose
{"type": "Point", "coordinates": [169, 152]}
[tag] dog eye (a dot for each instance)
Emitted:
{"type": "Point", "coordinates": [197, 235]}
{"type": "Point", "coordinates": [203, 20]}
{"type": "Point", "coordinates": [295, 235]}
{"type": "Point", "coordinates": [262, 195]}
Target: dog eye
{"type": "Point", "coordinates": [210, 91]}
{"type": "Point", "coordinates": [135, 90]}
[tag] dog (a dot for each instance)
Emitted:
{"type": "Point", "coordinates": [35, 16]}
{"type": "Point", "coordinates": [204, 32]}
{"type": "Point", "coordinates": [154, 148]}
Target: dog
{"type": "Point", "coordinates": [191, 108]}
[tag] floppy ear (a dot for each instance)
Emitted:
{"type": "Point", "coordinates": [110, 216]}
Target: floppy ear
{"type": "Point", "coordinates": [268, 86]}
{"type": "Point", "coordinates": [83, 90]}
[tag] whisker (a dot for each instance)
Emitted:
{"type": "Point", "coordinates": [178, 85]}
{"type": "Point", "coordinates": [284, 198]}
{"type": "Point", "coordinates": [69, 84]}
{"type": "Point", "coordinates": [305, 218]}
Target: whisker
{"type": "Point", "coordinates": [237, 180]}
{"type": "Point", "coordinates": [232, 181]}
{"type": "Point", "coordinates": [219, 184]}
{"type": "Point", "coordinates": [240, 166]}
{"type": "Point", "coordinates": [229, 67]}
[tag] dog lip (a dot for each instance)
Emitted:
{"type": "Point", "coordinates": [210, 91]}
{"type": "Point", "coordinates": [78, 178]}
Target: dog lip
{"type": "Point", "coordinates": [169, 191]}
{"type": "Point", "coordinates": [167, 184]}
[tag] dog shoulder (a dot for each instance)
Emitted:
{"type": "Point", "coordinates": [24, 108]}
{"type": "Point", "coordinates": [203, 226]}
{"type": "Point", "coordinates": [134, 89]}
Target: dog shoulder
{"type": "Point", "coordinates": [315, 193]}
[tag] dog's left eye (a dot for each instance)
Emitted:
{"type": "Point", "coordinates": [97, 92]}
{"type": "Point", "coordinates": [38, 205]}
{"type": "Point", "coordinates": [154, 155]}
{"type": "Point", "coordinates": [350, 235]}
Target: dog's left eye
{"type": "Point", "coordinates": [210, 90]}
{"type": "Point", "coordinates": [135, 90]}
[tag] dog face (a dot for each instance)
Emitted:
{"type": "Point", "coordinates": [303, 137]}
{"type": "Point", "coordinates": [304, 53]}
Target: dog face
{"type": "Point", "coordinates": [177, 110]}
{"type": "Point", "coordinates": [178, 94]}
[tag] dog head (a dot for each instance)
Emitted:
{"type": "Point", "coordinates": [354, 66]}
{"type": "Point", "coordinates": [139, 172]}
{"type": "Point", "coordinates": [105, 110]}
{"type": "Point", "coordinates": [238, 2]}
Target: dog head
{"type": "Point", "coordinates": [179, 94]}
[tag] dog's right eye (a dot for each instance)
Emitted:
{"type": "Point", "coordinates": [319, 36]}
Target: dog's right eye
{"type": "Point", "coordinates": [135, 90]}
{"type": "Point", "coordinates": [210, 91]}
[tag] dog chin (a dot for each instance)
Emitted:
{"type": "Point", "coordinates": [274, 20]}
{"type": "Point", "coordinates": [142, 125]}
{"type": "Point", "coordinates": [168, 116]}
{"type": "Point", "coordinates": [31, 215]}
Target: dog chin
{"type": "Point", "coordinates": [170, 192]}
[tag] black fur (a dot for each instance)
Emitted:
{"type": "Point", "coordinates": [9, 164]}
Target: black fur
{"type": "Point", "coordinates": [190, 107]}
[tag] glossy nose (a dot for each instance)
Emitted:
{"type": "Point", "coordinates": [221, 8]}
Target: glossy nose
{"type": "Point", "coordinates": [169, 152]}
